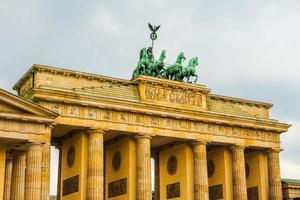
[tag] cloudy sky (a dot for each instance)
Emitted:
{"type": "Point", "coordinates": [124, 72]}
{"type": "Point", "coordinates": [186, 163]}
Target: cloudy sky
{"type": "Point", "coordinates": [247, 49]}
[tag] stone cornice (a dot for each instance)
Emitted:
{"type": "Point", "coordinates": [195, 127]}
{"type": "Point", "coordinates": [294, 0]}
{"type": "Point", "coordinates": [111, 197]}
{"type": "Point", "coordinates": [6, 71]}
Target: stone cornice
{"type": "Point", "coordinates": [66, 72]}
{"type": "Point", "coordinates": [25, 118]}
{"type": "Point", "coordinates": [240, 101]}
{"type": "Point", "coordinates": [24, 104]}
{"type": "Point", "coordinates": [148, 108]}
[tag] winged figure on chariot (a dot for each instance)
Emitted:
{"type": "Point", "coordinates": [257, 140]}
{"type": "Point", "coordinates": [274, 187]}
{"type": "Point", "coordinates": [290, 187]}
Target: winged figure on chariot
{"type": "Point", "coordinates": [149, 66]}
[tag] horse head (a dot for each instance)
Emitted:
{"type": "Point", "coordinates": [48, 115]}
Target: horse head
{"type": "Point", "coordinates": [180, 58]}
{"type": "Point", "coordinates": [193, 62]}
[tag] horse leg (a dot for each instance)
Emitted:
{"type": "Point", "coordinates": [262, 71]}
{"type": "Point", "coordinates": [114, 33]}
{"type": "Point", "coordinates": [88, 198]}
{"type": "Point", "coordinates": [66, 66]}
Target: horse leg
{"type": "Point", "coordinates": [196, 78]}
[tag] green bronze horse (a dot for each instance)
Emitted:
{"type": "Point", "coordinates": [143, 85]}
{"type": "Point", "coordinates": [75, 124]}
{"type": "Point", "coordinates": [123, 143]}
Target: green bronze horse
{"type": "Point", "coordinates": [155, 67]}
{"type": "Point", "coordinates": [142, 64]}
{"type": "Point", "coordinates": [190, 70]}
{"type": "Point", "coordinates": [173, 71]}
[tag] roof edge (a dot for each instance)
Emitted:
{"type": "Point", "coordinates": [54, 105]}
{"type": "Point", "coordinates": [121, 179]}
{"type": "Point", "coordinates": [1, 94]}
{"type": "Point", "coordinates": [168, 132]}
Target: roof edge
{"type": "Point", "coordinates": [241, 100]}
{"type": "Point", "coordinates": [34, 108]}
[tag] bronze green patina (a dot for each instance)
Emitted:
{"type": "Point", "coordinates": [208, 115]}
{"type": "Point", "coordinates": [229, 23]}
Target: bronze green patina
{"type": "Point", "coordinates": [148, 66]}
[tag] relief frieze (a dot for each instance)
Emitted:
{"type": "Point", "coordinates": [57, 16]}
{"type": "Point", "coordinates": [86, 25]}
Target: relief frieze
{"type": "Point", "coordinates": [23, 127]}
{"type": "Point", "coordinates": [163, 122]}
{"type": "Point", "coordinates": [173, 96]}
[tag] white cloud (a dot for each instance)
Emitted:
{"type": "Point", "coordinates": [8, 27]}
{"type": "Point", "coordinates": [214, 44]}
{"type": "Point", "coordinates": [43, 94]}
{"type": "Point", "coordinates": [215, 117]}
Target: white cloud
{"type": "Point", "coordinates": [290, 170]}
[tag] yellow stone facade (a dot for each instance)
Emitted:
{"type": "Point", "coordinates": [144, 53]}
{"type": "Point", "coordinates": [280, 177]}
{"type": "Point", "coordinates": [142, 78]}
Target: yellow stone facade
{"type": "Point", "coordinates": [204, 146]}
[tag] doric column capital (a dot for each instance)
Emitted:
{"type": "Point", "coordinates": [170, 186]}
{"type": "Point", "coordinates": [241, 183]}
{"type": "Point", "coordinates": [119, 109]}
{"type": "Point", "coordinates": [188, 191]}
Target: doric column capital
{"type": "Point", "coordinates": [140, 136]}
{"type": "Point", "coordinates": [200, 142]}
{"type": "Point", "coordinates": [237, 147]}
{"type": "Point", "coordinates": [32, 142]}
{"type": "Point", "coordinates": [273, 150]}
{"type": "Point", "coordinates": [17, 153]}
{"type": "Point", "coordinates": [95, 130]}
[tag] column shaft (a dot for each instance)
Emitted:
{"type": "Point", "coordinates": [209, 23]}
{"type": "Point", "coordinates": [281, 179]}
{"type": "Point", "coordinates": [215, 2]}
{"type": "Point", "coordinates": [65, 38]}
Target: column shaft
{"type": "Point", "coordinates": [17, 191]}
{"type": "Point", "coordinates": [200, 172]}
{"type": "Point", "coordinates": [143, 168]}
{"type": "Point", "coordinates": [45, 180]}
{"type": "Point", "coordinates": [7, 181]}
{"type": "Point", "coordinates": [156, 176]}
{"type": "Point", "coordinates": [59, 172]}
{"type": "Point", "coordinates": [33, 172]}
{"type": "Point", "coordinates": [95, 165]}
{"type": "Point", "coordinates": [239, 174]}
{"type": "Point", "coordinates": [275, 191]}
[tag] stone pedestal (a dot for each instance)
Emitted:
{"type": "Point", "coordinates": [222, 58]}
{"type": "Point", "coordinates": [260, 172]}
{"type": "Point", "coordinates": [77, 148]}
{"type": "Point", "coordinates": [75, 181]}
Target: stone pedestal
{"type": "Point", "coordinates": [33, 172]}
{"type": "Point", "coordinates": [200, 171]}
{"type": "Point", "coordinates": [143, 159]}
{"type": "Point", "coordinates": [95, 165]}
{"type": "Point", "coordinates": [7, 181]}
{"type": "Point", "coordinates": [238, 173]}
{"type": "Point", "coordinates": [17, 191]}
{"type": "Point", "coordinates": [275, 191]}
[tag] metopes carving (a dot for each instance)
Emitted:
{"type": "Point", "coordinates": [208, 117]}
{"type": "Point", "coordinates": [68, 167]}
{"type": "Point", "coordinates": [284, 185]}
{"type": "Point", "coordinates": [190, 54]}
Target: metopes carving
{"type": "Point", "coordinates": [117, 188]}
{"type": "Point", "coordinates": [173, 96]}
{"type": "Point", "coordinates": [71, 185]}
{"type": "Point", "coordinates": [173, 190]}
{"type": "Point", "coordinates": [160, 122]}
{"type": "Point", "coordinates": [216, 192]}
{"type": "Point", "coordinates": [252, 193]}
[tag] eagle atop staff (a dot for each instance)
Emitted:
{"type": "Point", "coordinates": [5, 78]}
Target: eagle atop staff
{"type": "Point", "coordinates": [153, 34]}
{"type": "Point", "coordinates": [153, 28]}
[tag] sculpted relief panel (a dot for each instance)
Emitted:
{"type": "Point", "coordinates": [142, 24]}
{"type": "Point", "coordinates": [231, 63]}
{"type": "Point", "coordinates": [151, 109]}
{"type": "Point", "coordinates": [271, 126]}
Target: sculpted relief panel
{"type": "Point", "coordinates": [147, 120]}
{"type": "Point", "coordinates": [173, 96]}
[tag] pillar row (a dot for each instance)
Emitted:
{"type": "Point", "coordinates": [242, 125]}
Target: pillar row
{"type": "Point", "coordinates": [33, 171]}
{"type": "Point", "coordinates": [143, 161]}
{"type": "Point", "coordinates": [17, 191]}
{"type": "Point", "coordinates": [238, 173]}
{"type": "Point", "coordinates": [275, 191]}
{"type": "Point", "coordinates": [95, 165]}
{"type": "Point", "coordinates": [7, 180]}
{"type": "Point", "coordinates": [200, 171]}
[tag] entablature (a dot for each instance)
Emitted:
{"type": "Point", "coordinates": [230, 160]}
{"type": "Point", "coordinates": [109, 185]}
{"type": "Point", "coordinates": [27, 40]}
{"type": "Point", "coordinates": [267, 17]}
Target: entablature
{"type": "Point", "coordinates": [142, 89]}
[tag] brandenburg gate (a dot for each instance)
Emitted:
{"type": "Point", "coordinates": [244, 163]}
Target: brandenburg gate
{"type": "Point", "coordinates": [109, 130]}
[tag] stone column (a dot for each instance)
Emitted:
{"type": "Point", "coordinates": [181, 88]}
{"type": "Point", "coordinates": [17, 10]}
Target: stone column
{"type": "Point", "coordinates": [95, 165]}
{"type": "Point", "coordinates": [238, 173]}
{"type": "Point", "coordinates": [33, 171]}
{"type": "Point", "coordinates": [7, 181]}
{"type": "Point", "coordinates": [200, 171]}
{"type": "Point", "coordinates": [156, 176]}
{"type": "Point", "coordinates": [275, 191]}
{"type": "Point", "coordinates": [45, 180]}
{"type": "Point", "coordinates": [143, 166]}
{"type": "Point", "coordinates": [17, 190]}
{"type": "Point", "coordinates": [59, 147]}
